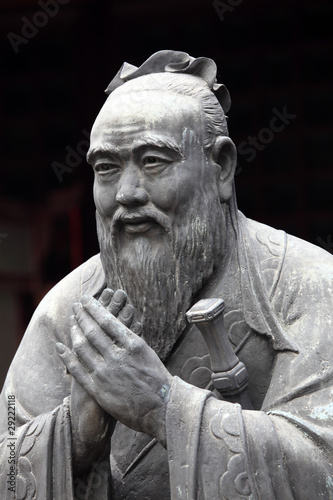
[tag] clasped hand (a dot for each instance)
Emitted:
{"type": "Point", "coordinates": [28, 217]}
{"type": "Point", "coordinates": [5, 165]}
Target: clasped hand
{"type": "Point", "coordinates": [115, 365]}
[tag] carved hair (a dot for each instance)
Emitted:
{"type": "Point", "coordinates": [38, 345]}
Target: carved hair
{"type": "Point", "coordinates": [178, 72]}
{"type": "Point", "coordinates": [187, 85]}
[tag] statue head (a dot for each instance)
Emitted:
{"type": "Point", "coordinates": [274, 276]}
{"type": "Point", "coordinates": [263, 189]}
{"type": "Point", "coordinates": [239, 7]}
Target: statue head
{"type": "Point", "coordinates": [164, 168]}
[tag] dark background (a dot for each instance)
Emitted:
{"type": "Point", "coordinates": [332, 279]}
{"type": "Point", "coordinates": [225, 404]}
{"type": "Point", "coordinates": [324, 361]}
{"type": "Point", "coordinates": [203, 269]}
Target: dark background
{"type": "Point", "coordinates": [271, 55]}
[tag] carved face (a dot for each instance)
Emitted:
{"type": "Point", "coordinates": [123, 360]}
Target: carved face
{"type": "Point", "coordinates": [147, 151]}
{"type": "Point", "coordinates": [158, 210]}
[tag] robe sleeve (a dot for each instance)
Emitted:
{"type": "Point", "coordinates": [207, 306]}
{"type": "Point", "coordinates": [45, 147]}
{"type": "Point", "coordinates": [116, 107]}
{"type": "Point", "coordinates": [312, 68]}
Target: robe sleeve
{"type": "Point", "coordinates": [217, 450]}
{"type": "Point", "coordinates": [42, 452]}
{"type": "Point", "coordinates": [38, 434]}
{"type": "Point", "coordinates": [284, 450]}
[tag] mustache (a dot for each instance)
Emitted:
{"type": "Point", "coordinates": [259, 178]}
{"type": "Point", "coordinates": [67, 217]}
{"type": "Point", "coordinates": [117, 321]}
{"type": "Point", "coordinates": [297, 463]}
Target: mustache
{"type": "Point", "coordinates": [124, 215]}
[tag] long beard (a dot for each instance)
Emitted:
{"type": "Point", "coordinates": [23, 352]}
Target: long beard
{"type": "Point", "coordinates": [161, 276]}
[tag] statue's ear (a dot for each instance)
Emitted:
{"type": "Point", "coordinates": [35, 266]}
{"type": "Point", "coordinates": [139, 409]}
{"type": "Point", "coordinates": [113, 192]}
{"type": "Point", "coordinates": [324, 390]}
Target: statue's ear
{"type": "Point", "coordinates": [224, 153]}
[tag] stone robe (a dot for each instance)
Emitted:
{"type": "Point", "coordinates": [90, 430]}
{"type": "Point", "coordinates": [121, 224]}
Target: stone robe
{"type": "Point", "coordinates": [278, 293]}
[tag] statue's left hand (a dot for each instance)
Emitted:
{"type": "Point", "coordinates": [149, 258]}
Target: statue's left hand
{"type": "Point", "coordinates": [119, 369]}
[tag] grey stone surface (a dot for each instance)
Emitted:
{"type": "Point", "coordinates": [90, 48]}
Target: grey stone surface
{"type": "Point", "coordinates": [111, 387]}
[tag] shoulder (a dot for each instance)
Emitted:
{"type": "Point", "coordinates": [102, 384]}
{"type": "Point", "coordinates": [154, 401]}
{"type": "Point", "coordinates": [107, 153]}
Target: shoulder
{"type": "Point", "coordinates": [36, 365]}
{"type": "Point", "coordinates": [265, 240]}
{"type": "Point", "coordinates": [56, 306]}
{"type": "Point", "coordinates": [296, 256]}
{"type": "Point", "coordinates": [298, 282]}
{"type": "Point", "coordinates": [262, 251]}
{"type": "Point", "coordinates": [307, 257]}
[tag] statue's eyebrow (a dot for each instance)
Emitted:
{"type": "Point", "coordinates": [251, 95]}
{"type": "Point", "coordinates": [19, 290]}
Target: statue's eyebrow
{"type": "Point", "coordinates": [158, 142]}
{"type": "Point", "coordinates": [147, 141]}
{"type": "Point", "coordinates": [109, 151]}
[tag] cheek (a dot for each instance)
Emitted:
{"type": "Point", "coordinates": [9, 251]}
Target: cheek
{"type": "Point", "coordinates": [105, 198]}
{"type": "Point", "coordinates": [178, 191]}
{"type": "Point", "coordinates": [163, 194]}
{"type": "Point", "coordinates": [173, 189]}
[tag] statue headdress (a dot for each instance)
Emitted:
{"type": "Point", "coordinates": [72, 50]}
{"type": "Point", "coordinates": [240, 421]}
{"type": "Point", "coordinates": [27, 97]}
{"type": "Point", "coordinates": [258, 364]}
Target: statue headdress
{"type": "Point", "coordinates": [170, 61]}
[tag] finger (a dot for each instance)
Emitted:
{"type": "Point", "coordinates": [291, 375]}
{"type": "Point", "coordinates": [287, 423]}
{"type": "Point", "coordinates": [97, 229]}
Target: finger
{"type": "Point", "coordinates": [137, 328]}
{"type": "Point", "coordinates": [126, 315]}
{"type": "Point", "coordinates": [75, 367]}
{"type": "Point", "coordinates": [117, 302]}
{"type": "Point", "coordinates": [83, 349]}
{"type": "Point", "coordinates": [114, 328]}
{"type": "Point", "coordinates": [92, 330]}
{"type": "Point", "coordinates": [106, 297]}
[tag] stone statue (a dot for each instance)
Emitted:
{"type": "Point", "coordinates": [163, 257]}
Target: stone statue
{"type": "Point", "coordinates": [110, 387]}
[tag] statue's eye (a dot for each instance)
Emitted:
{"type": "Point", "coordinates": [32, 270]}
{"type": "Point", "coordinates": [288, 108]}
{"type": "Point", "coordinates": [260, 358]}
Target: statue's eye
{"type": "Point", "coordinates": [155, 165]}
{"type": "Point", "coordinates": [105, 168]}
{"type": "Point", "coordinates": [151, 160]}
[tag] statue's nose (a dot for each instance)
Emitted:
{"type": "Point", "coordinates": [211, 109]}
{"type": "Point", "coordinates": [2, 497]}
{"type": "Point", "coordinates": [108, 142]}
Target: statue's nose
{"type": "Point", "coordinates": [130, 191]}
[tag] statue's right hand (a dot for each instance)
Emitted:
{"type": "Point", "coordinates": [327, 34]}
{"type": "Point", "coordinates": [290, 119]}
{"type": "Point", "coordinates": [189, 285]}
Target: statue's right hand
{"type": "Point", "coordinates": [91, 425]}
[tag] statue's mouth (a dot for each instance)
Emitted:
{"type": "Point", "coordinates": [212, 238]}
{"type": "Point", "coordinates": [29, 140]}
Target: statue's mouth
{"type": "Point", "coordinates": [140, 220]}
{"type": "Point", "coordinates": [137, 224]}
